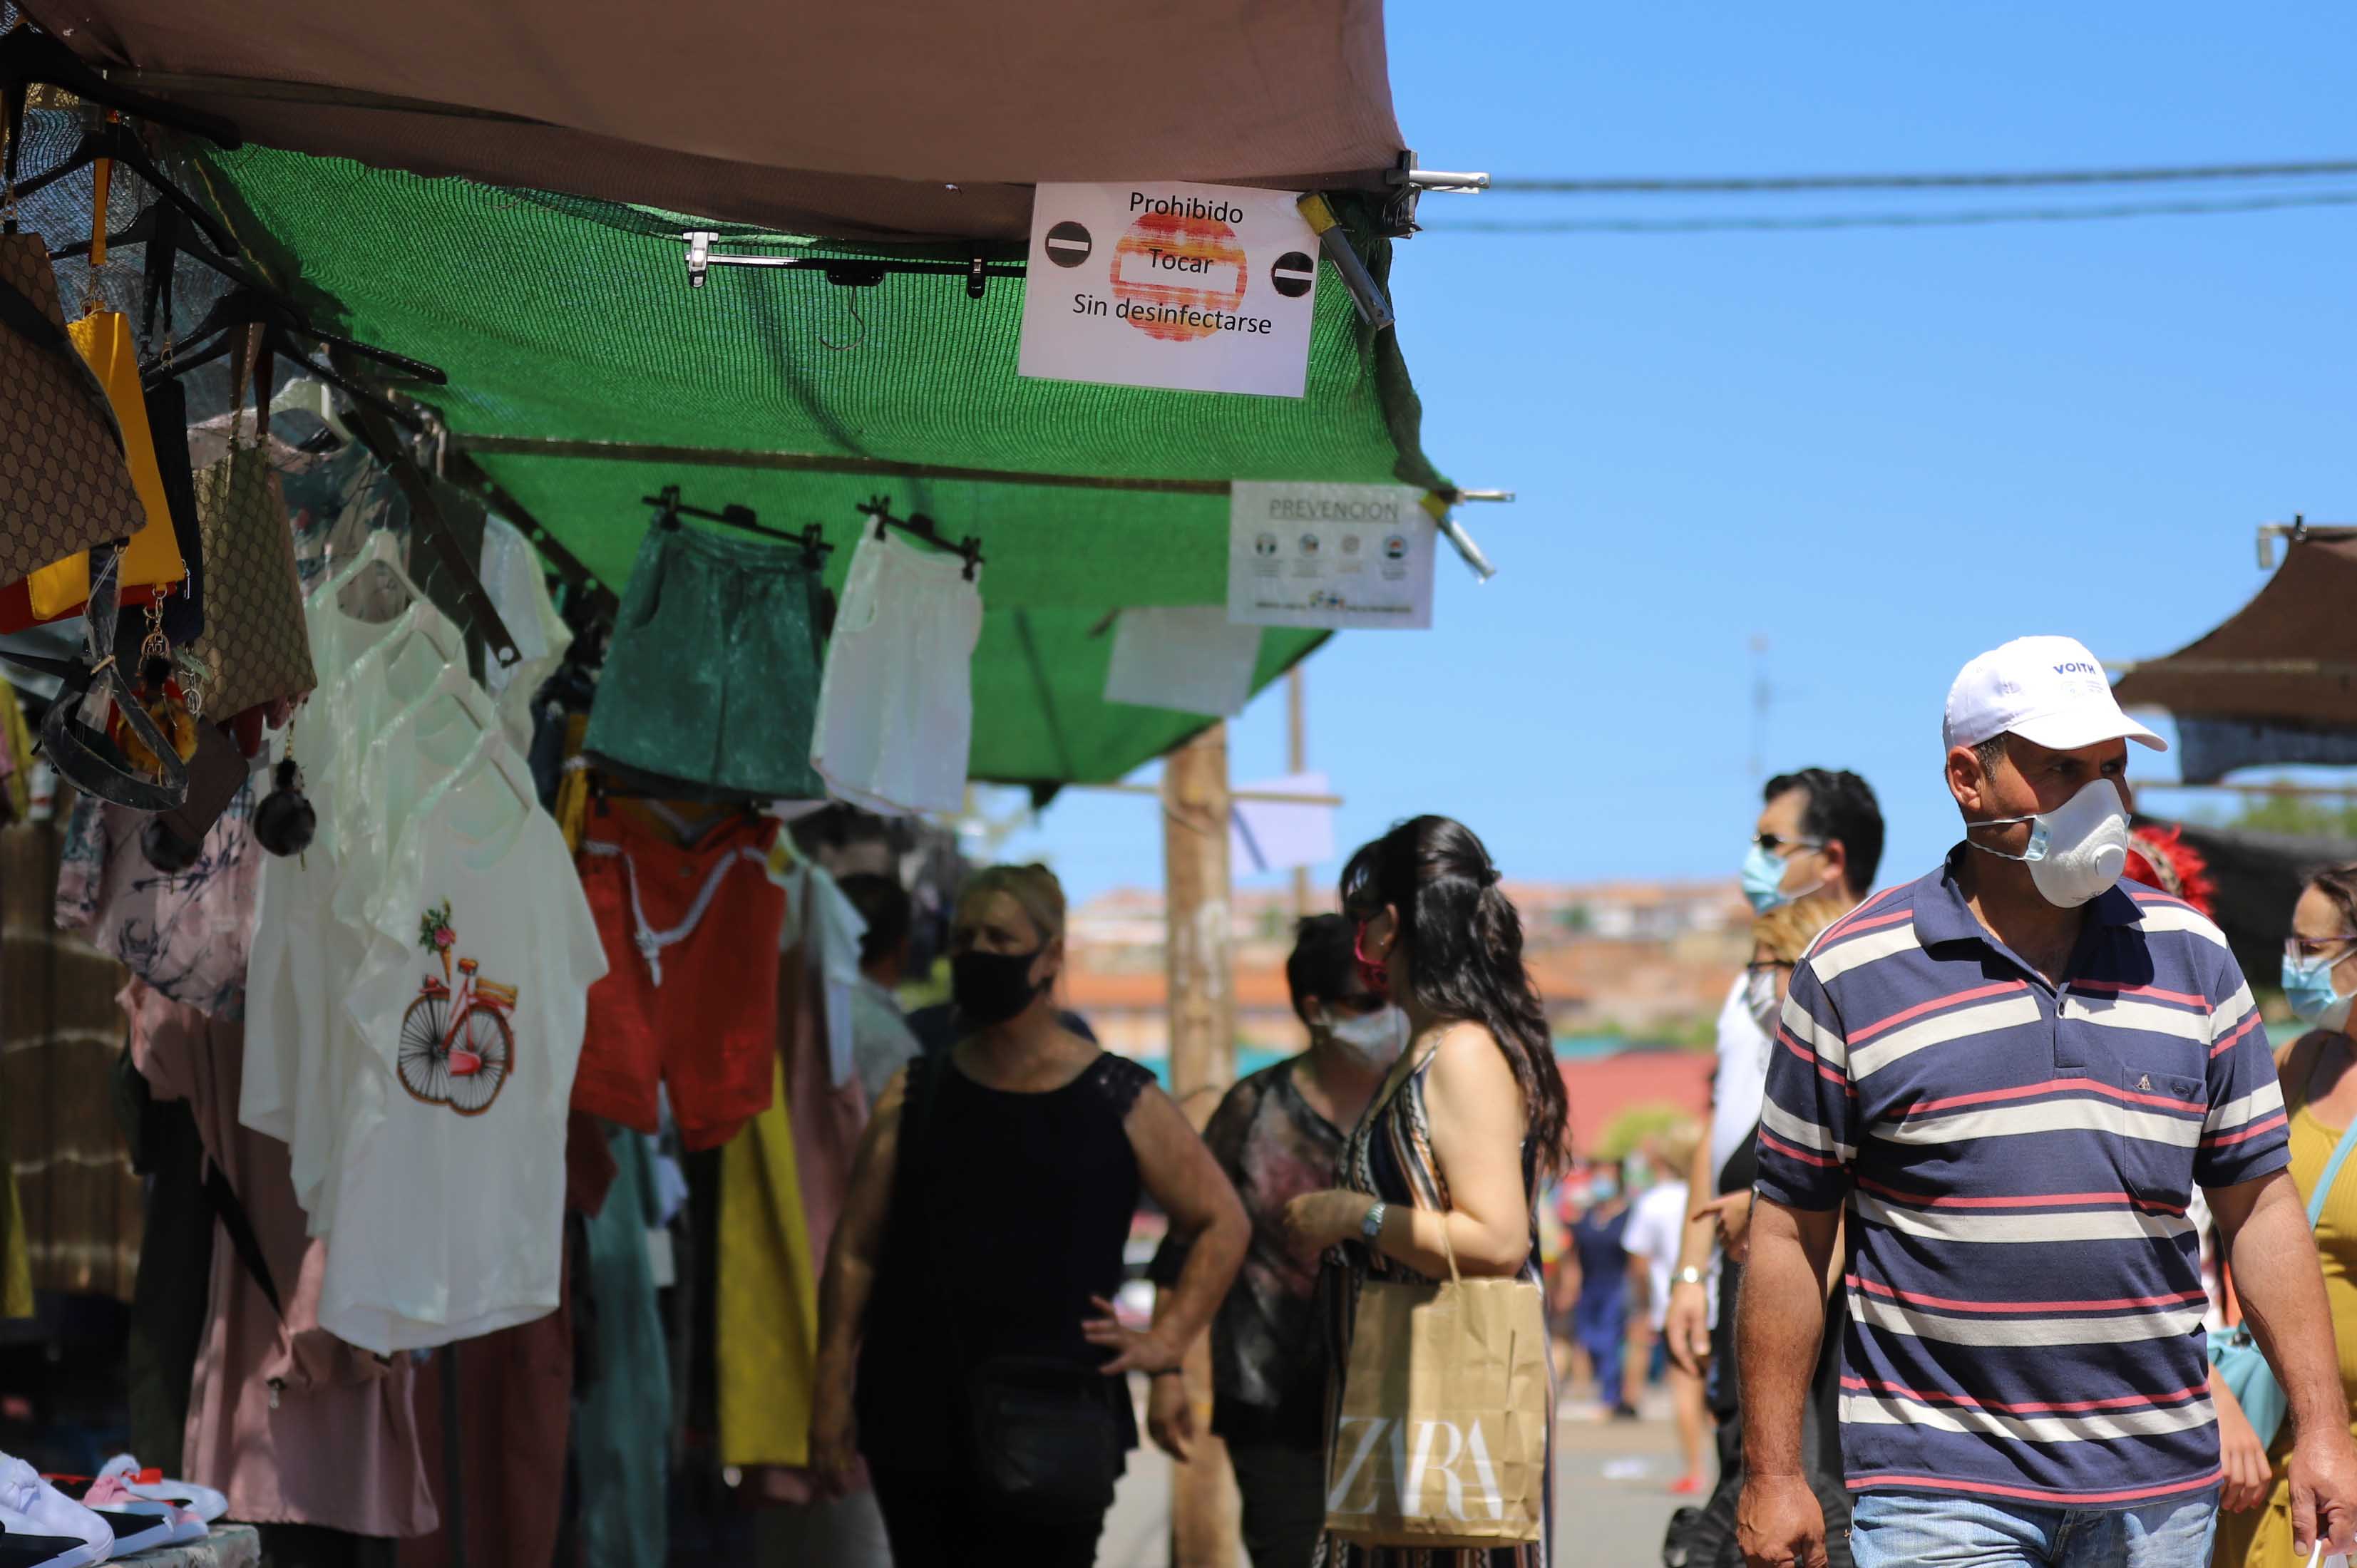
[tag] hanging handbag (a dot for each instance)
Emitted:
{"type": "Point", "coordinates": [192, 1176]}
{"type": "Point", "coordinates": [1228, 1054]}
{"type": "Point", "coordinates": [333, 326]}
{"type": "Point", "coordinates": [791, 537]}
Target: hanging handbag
{"type": "Point", "coordinates": [1040, 1431]}
{"type": "Point", "coordinates": [1445, 1413]}
{"type": "Point", "coordinates": [90, 694]}
{"type": "Point", "coordinates": [257, 647]}
{"type": "Point", "coordinates": [65, 482]}
{"type": "Point", "coordinates": [2240, 1364]}
{"type": "Point", "coordinates": [153, 559]}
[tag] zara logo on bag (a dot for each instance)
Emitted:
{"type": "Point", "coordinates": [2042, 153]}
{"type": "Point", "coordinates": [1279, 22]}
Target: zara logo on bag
{"type": "Point", "coordinates": [1410, 1474]}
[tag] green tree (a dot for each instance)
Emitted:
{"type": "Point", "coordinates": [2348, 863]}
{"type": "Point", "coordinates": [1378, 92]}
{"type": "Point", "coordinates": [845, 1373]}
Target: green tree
{"type": "Point", "coordinates": [2304, 816]}
{"type": "Point", "coordinates": [1634, 1125]}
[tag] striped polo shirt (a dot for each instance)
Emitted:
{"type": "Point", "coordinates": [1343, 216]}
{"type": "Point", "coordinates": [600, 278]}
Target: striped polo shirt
{"type": "Point", "coordinates": [2025, 1289]}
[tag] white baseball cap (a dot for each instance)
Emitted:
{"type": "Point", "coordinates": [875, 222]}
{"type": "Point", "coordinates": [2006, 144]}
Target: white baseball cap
{"type": "Point", "coordinates": [2048, 690]}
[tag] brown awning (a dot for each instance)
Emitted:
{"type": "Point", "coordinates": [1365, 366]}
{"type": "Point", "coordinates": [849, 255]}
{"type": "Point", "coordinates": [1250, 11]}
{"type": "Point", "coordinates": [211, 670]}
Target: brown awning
{"type": "Point", "coordinates": [849, 122]}
{"type": "Point", "coordinates": [2290, 655]}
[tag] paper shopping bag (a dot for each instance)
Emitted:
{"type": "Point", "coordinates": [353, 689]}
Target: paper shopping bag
{"type": "Point", "coordinates": [1445, 1412]}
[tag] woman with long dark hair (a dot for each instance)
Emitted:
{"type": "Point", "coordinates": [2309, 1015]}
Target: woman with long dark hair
{"type": "Point", "coordinates": [1470, 1122]}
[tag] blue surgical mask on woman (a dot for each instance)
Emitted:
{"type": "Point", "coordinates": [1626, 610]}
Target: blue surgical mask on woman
{"type": "Point", "coordinates": [2308, 987]}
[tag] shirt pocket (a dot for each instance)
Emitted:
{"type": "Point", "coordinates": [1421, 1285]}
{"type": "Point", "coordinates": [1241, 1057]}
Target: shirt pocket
{"type": "Point", "coordinates": [2158, 1128]}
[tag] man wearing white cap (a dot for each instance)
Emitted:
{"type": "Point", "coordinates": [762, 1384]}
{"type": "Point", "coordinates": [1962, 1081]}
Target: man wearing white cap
{"type": "Point", "coordinates": [2013, 1072]}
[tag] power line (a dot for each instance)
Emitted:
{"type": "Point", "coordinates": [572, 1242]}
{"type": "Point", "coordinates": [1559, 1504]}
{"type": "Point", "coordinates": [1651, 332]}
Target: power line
{"type": "Point", "coordinates": [2163, 174]}
{"type": "Point", "coordinates": [1833, 221]}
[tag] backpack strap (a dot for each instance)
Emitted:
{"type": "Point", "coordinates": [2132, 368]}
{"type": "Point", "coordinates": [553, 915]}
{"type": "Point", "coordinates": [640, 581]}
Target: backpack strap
{"type": "Point", "coordinates": [30, 322]}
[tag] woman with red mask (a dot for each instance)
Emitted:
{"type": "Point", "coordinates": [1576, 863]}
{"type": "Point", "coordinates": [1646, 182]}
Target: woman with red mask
{"type": "Point", "coordinates": [1470, 1122]}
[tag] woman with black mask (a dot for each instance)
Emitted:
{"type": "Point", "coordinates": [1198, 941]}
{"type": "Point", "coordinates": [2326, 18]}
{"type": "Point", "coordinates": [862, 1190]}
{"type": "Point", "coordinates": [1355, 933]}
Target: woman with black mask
{"type": "Point", "coordinates": [967, 1343]}
{"type": "Point", "coordinates": [1473, 1118]}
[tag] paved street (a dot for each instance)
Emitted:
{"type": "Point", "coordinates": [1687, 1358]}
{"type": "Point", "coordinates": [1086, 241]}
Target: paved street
{"type": "Point", "coordinates": [1612, 1498]}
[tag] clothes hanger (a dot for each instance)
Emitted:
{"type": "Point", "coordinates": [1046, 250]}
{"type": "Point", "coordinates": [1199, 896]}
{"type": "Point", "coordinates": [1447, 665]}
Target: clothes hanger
{"type": "Point", "coordinates": [167, 223]}
{"type": "Point", "coordinates": [283, 325]}
{"type": "Point", "coordinates": [917, 525]}
{"type": "Point", "coordinates": [111, 140]}
{"type": "Point", "coordinates": [454, 686]}
{"type": "Point", "coordinates": [382, 551]}
{"type": "Point", "coordinates": [305, 395]}
{"type": "Point", "coordinates": [669, 510]}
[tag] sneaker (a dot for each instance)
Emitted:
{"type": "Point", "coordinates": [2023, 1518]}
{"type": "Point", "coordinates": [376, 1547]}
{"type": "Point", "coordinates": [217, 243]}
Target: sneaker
{"type": "Point", "coordinates": [31, 1507]}
{"type": "Point", "coordinates": [21, 1549]}
{"type": "Point", "coordinates": [202, 1501]}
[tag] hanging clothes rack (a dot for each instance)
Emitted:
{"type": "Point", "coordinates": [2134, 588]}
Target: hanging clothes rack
{"type": "Point", "coordinates": [670, 508]}
{"type": "Point", "coordinates": [977, 269]}
{"type": "Point", "coordinates": [917, 525]}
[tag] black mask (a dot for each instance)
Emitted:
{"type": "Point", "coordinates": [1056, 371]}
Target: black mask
{"type": "Point", "coordinates": [992, 987]}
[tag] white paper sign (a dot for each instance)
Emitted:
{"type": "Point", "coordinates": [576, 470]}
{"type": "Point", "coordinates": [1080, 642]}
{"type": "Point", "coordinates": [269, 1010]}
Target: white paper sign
{"type": "Point", "coordinates": [1340, 557]}
{"type": "Point", "coordinates": [1270, 835]}
{"type": "Point", "coordinates": [1195, 287]}
{"type": "Point", "coordinates": [1189, 658]}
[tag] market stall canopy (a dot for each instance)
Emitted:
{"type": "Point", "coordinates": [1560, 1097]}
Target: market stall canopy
{"type": "Point", "coordinates": [586, 374]}
{"type": "Point", "coordinates": [2257, 878]}
{"type": "Point", "coordinates": [913, 119]}
{"type": "Point", "coordinates": [2288, 657]}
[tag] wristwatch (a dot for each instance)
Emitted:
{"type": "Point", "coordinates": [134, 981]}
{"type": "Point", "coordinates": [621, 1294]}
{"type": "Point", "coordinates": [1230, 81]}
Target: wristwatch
{"type": "Point", "coordinates": [1370, 1229]}
{"type": "Point", "coordinates": [1689, 1275]}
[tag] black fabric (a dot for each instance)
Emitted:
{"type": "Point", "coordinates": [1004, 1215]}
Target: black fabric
{"type": "Point", "coordinates": [1283, 1487]}
{"type": "Point", "coordinates": [1268, 1374]}
{"type": "Point", "coordinates": [1009, 1214]}
{"type": "Point", "coordinates": [175, 1257]}
{"type": "Point", "coordinates": [168, 415]}
{"type": "Point", "coordinates": [1709, 1541]}
{"type": "Point", "coordinates": [933, 1522]}
{"type": "Point", "coordinates": [222, 1199]}
{"type": "Point", "coordinates": [2257, 876]}
{"type": "Point", "coordinates": [937, 1027]}
{"type": "Point", "coordinates": [316, 1546]}
{"type": "Point", "coordinates": [1742, 1168]}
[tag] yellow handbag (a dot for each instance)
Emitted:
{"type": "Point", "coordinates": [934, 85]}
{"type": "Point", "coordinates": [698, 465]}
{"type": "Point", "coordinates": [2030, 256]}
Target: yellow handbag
{"type": "Point", "coordinates": [61, 589]}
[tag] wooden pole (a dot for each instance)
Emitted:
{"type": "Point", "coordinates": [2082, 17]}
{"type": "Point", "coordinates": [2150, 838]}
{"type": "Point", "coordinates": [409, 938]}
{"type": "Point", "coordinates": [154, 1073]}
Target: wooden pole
{"type": "Point", "coordinates": [1297, 759]}
{"type": "Point", "coordinates": [1205, 1517]}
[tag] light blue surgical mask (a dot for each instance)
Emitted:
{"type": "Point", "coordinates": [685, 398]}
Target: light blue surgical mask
{"type": "Point", "coordinates": [2308, 987]}
{"type": "Point", "coordinates": [1763, 878]}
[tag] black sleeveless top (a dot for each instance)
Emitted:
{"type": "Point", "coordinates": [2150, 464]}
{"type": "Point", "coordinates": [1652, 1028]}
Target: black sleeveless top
{"type": "Point", "coordinates": [1009, 1211]}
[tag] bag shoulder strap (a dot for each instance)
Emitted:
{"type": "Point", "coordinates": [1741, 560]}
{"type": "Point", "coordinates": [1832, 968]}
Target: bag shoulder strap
{"type": "Point", "coordinates": [2295, 1063]}
{"type": "Point", "coordinates": [2340, 1152]}
{"type": "Point", "coordinates": [223, 1199]}
{"type": "Point", "coordinates": [21, 315]}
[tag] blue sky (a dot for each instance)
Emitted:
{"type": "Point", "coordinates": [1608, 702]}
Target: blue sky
{"type": "Point", "coordinates": [1883, 451]}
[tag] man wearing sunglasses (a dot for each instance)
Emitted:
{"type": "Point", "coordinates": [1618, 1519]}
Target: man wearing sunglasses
{"type": "Point", "coordinates": [1820, 831]}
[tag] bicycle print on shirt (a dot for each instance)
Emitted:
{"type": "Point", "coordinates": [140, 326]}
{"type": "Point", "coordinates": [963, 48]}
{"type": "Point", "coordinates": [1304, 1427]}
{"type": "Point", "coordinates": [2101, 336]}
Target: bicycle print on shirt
{"type": "Point", "coordinates": [456, 1048]}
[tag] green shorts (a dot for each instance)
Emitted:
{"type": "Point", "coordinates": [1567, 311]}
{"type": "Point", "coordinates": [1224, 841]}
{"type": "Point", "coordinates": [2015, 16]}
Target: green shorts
{"type": "Point", "coordinates": [711, 681]}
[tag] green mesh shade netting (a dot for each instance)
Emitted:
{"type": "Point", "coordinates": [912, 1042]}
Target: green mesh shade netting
{"type": "Point", "coordinates": [561, 319]}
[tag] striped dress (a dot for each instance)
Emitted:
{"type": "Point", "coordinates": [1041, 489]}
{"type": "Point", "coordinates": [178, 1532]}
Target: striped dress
{"type": "Point", "coordinates": [1389, 1156]}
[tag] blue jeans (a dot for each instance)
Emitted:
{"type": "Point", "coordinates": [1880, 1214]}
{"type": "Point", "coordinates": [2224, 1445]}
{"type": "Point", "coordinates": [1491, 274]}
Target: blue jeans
{"type": "Point", "coordinates": [1912, 1529]}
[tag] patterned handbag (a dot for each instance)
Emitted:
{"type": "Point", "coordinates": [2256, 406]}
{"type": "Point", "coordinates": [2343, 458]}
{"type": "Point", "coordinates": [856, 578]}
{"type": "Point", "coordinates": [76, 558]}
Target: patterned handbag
{"type": "Point", "coordinates": [257, 647]}
{"type": "Point", "coordinates": [65, 483]}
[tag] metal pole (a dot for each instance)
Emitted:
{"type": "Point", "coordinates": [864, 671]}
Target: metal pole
{"type": "Point", "coordinates": [1297, 760]}
{"type": "Point", "coordinates": [1205, 1516]}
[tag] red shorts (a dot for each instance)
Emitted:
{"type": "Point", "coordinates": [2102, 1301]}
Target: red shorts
{"type": "Point", "coordinates": [689, 996]}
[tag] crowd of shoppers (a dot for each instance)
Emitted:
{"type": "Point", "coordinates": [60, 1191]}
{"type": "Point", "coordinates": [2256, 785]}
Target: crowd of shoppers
{"type": "Point", "coordinates": [1987, 1151]}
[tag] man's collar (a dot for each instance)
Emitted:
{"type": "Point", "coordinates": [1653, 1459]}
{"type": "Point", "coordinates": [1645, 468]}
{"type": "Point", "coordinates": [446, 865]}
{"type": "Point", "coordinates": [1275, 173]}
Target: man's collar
{"type": "Point", "coordinates": [1942, 915]}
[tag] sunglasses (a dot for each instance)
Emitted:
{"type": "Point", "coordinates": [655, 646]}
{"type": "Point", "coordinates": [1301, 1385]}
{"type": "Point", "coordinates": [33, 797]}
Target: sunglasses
{"type": "Point", "coordinates": [1772, 843]}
